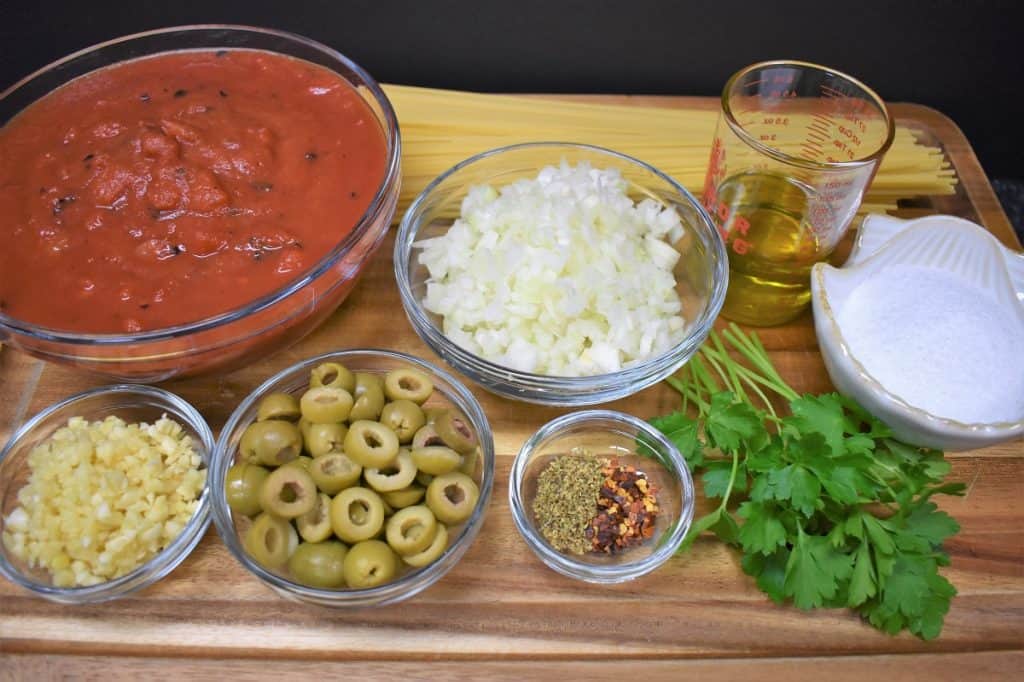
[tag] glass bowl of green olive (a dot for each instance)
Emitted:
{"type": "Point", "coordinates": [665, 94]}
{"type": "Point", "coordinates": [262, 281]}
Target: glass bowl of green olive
{"type": "Point", "coordinates": [355, 478]}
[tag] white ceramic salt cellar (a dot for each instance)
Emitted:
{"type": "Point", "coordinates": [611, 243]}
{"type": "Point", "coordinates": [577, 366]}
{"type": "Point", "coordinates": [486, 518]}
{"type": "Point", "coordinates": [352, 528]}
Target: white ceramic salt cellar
{"type": "Point", "coordinates": [946, 243]}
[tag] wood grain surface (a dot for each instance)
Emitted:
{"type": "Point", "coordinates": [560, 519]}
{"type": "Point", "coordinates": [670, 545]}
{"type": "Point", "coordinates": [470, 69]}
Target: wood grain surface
{"type": "Point", "coordinates": [500, 614]}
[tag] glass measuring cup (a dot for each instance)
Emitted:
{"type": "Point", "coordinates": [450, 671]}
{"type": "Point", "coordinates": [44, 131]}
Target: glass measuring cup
{"type": "Point", "coordinates": [795, 147]}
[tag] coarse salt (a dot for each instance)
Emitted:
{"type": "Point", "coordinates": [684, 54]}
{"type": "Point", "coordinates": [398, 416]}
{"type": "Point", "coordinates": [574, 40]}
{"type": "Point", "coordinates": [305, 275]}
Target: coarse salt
{"type": "Point", "coordinates": [938, 342]}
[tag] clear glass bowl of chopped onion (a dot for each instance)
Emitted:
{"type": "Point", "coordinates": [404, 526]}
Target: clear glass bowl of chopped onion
{"type": "Point", "coordinates": [103, 493]}
{"type": "Point", "coordinates": [559, 273]}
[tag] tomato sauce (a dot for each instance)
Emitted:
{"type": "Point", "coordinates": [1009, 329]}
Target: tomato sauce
{"type": "Point", "coordinates": [168, 189]}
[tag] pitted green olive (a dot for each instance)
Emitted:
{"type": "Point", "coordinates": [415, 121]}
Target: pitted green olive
{"type": "Point", "coordinates": [326, 404]}
{"type": "Point", "coordinates": [324, 438]}
{"type": "Point", "coordinates": [369, 564]}
{"type": "Point", "coordinates": [436, 459]}
{"type": "Point", "coordinates": [302, 461]}
{"type": "Point", "coordinates": [431, 553]}
{"type": "Point", "coordinates": [334, 472]}
{"type": "Point", "coordinates": [288, 491]}
{"type": "Point", "coordinates": [319, 564]}
{"type": "Point", "coordinates": [406, 497]}
{"type": "Point", "coordinates": [242, 487]}
{"type": "Point", "coordinates": [357, 514]}
{"type": "Point", "coordinates": [371, 444]}
{"type": "Point", "coordinates": [272, 442]}
{"type": "Point", "coordinates": [407, 383]}
{"type": "Point", "coordinates": [400, 474]}
{"type": "Point", "coordinates": [368, 403]}
{"type": "Point", "coordinates": [404, 417]}
{"type": "Point", "coordinates": [333, 375]}
{"type": "Point", "coordinates": [452, 497]}
{"type": "Point", "coordinates": [456, 432]}
{"type": "Point", "coordinates": [278, 406]}
{"type": "Point", "coordinates": [425, 436]}
{"type": "Point", "coordinates": [411, 530]}
{"type": "Point", "coordinates": [315, 525]}
{"type": "Point", "coordinates": [270, 540]}
{"type": "Point", "coordinates": [366, 380]}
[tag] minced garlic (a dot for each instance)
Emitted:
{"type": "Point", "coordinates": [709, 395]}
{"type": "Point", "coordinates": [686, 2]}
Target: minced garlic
{"type": "Point", "coordinates": [104, 497]}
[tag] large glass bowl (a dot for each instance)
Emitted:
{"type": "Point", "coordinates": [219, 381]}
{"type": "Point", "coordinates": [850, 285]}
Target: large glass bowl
{"type": "Point", "coordinates": [448, 393]}
{"type": "Point", "coordinates": [262, 326]}
{"type": "Point", "coordinates": [132, 404]}
{"type": "Point", "coordinates": [701, 272]}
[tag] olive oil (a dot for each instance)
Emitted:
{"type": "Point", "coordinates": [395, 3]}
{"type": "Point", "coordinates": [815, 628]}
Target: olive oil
{"type": "Point", "coordinates": [772, 245]}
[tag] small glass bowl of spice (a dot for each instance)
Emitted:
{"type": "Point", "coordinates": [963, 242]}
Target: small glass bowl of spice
{"type": "Point", "coordinates": [601, 496]}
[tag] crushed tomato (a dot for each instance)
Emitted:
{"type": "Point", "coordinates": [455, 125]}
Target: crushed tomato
{"type": "Point", "coordinates": [172, 188]}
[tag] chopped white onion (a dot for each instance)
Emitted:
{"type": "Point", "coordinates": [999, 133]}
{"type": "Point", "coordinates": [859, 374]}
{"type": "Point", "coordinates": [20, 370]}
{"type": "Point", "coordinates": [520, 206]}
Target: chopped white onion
{"type": "Point", "coordinates": [561, 275]}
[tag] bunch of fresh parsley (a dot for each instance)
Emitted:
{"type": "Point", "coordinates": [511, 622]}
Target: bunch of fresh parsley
{"type": "Point", "coordinates": [835, 511]}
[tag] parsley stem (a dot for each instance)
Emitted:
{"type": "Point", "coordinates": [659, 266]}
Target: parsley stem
{"type": "Point", "coordinates": [722, 360]}
{"type": "Point", "coordinates": [688, 393]}
{"type": "Point", "coordinates": [744, 375]}
{"type": "Point", "coordinates": [753, 350]}
{"type": "Point", "coordinates": [732, 481]}
{"type": "Point", "coordinates": [703, 377]}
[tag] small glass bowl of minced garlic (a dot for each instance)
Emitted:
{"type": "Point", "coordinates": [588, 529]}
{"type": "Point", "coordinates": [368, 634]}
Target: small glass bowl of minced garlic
{"type": "Point", "coordinates": [601, 496]}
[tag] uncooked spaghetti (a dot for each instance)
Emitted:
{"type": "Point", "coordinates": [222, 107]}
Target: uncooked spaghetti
{"type": "Point", "coordinates": [442, 127]}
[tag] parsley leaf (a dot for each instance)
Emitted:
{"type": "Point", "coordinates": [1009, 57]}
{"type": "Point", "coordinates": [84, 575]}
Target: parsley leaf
{"type": "Point", "coordinates": [763, 531]}
{"type": "Point", "coordinates": [793, 484]}
{"type": "Point", "coordinates": [863, 582]}
{"type": "Point", "coordinates": [823, 415]}
{"type": "Point", "coordinates": [916, 597]}
{"type": "Point", "coordinates": [769, 572]}
{"type": "Point", "coordinates": [729, 422]}
{"type": "Point", "coordinates": [814, 571]}
{"type": "Point", "coordinates": [682, 432]}
{"type": "Point", "coordinates": [844, 484]}
{"type": "Point", "coordinates": [726, 529]}
{"type": "Point", "coordinates": [717, 475]}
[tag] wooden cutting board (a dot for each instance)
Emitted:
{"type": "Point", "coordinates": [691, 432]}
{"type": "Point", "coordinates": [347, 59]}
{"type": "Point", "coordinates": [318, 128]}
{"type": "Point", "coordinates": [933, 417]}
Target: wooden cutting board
{"type": "Point", "coordinates": [500, 613]}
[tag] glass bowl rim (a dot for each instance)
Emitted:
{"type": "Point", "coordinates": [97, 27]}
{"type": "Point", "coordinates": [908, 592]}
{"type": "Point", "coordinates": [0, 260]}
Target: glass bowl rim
{"type": "Point", "coordinates": [633, 376]}
{"type": "Point", "coordinates": [413, 581]}
{"type": "Point", "coordinates": [164, 561]}
{"type": "Point", "coordinates": [392, 138]}
{"type": "Point", "coordinates": [564, 563]}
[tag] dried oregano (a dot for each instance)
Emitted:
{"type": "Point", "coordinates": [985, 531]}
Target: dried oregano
{"type": "Point", "coordinates": [567, 491]}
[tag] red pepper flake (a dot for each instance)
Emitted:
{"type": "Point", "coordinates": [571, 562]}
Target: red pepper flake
{"type": "Point", "coordinates": [627, 509]}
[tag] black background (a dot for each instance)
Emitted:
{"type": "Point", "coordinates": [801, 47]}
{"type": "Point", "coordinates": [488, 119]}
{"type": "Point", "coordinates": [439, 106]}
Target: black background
{"type": "Point", "coordinates": [961, 58]}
